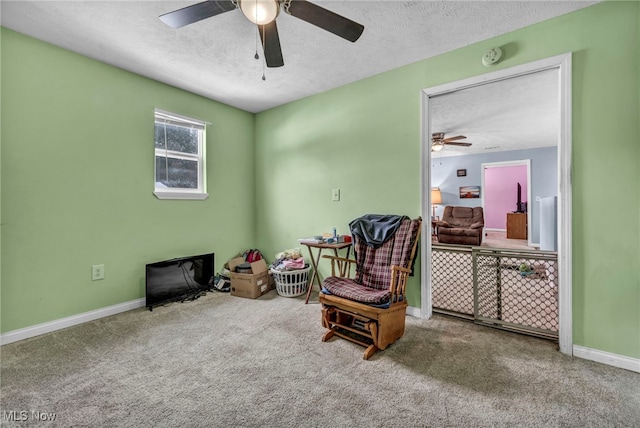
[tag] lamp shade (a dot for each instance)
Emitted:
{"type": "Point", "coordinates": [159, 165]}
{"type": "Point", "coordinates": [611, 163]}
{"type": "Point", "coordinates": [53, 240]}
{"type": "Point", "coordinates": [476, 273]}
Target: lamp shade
{"type": "Point", "coordinates": [436, 197]}
{"type": "Point", "coordinates": [260, 12]}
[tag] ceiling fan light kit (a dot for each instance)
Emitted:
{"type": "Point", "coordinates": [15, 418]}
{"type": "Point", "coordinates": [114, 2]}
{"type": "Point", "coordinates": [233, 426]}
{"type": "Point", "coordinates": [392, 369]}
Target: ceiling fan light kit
{"type": "Point", "coordinates": [260, 12]}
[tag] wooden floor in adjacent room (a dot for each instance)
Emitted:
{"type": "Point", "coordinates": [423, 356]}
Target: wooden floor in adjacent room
{"type": "Point", "coordinates": [499, 240]}
{"type": "Point", "coordinates": [495, 239]}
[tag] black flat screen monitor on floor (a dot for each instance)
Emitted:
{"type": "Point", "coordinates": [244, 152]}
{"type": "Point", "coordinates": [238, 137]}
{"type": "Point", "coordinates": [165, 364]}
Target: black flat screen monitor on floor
{"type": "Point", "coordinates": [180, 279]}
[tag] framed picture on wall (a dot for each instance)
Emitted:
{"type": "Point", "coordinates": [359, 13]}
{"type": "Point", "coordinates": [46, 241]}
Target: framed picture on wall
{"type": "Point", "coordinates": [462, 173]}
{"type": "Point", "coordinates": [469, 192]}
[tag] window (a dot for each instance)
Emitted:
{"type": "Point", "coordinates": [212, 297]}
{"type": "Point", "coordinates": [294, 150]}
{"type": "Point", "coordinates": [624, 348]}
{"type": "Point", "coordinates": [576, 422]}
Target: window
{"type": "Point", "coordinates": [179, 157]}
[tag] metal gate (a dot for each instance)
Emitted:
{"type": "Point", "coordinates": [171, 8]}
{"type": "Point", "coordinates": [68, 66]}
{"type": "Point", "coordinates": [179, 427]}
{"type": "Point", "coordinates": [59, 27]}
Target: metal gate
{"type": "Point", "coordinates": [511, 289]}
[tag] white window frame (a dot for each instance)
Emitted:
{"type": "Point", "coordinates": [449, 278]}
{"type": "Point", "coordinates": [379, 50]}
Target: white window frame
{"type": "Point", "coordinates": [199, 193]}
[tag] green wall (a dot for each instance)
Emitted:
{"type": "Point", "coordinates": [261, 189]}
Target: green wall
{"type": "Point", "coordinates": [77, 170]}
{"type": "Point", "coordinates": [364, 138]}
{"type": "Point", "coordinates": [77, 183]}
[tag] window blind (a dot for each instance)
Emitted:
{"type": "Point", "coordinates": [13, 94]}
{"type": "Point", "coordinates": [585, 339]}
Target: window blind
{"type": "Point", "coordinates": [177, 120]}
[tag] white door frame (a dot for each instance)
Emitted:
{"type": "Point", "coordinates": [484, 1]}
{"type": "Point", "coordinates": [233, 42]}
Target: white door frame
{"type": "Point", "coordinates": [525, 162]}
{"type": "Point", "coordinates": [562, 63]}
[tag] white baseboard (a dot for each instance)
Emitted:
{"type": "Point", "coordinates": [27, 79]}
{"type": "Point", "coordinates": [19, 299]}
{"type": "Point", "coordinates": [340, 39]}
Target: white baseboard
{"type": "Point", "coordinates": [47, 327]}
{"type": "Point", "coordinates": [412, 311]}
{"type": "Point", "coordinates": [608, 358]}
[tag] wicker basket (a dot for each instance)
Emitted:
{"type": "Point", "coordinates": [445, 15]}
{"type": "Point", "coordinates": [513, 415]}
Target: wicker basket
{"type": "Point", "coordinates": [291, 283]}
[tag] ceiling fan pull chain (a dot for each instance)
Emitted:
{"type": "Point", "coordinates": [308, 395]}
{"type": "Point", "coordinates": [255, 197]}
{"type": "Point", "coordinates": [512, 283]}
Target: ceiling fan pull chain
{"type": "Point", "coordinates": [256, 56]}
{"type": "Point", "coordinates": [265, 60]}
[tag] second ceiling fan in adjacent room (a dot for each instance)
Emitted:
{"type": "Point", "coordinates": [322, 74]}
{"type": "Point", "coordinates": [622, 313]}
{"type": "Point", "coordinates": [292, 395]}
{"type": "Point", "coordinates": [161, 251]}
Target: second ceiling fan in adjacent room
{"type": "Point", "coordinates": [438, 141]}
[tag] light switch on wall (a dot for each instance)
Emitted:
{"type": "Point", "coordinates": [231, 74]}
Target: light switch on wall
{"type": "Point", "coordinates": [335, 194]}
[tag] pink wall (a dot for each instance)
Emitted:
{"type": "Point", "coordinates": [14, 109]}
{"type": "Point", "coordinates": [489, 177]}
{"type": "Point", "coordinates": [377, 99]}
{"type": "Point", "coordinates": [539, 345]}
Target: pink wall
{"type": "Point", "coordinates": [500, 193]}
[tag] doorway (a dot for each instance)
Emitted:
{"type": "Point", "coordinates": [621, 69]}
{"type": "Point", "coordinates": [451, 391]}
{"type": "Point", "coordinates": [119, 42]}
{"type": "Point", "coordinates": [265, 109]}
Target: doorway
{"type": "Point", "coordinates": [507, 191]}
{"type": "Point", "coordinates": [560, 66]}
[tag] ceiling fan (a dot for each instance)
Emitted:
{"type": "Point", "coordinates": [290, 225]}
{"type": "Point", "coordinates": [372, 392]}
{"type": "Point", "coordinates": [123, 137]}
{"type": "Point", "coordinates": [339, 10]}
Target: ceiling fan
{"type": "Point", "coordinates": [263, 13]}
{"type": "Point", "coordinates": [438, 141]}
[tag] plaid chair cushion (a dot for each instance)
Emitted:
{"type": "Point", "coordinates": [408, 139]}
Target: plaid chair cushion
{"type": "Point", "coordinates": [373, 267]}
{"type": "Point", "coordinates": [349, 289]}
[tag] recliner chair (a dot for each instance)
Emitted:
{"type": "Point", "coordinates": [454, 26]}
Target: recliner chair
{"type": "Point", "coordinates": [461, 225]}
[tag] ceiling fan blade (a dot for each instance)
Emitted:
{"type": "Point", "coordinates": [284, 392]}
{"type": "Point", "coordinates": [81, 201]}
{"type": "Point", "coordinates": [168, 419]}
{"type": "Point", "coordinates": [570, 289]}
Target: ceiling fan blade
{"type": "Point", "coordinates": [457, 137]}
{"type": "Point", "coordinates": [325, 19]}
{"type": "Point", "coordinates": [456, 143]}
{"type": "Point", "coordinates": [196, 12]}
{"type": "Point", "coordinates": [271, 44]}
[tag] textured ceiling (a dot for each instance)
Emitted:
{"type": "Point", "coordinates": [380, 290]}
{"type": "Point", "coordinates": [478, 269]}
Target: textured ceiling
{"type": "Point", "coordinates": [215, 57]}
{"type": "Point", "coordinates": [512, 114]}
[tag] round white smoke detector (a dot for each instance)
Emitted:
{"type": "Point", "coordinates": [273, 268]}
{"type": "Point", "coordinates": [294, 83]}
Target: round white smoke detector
{"type": "Point", "coordinates": [492, 57]}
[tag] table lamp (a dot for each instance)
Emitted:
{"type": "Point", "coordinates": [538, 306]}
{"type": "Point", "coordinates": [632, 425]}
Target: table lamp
{"type": "Point", "coordinates": [436, 198]}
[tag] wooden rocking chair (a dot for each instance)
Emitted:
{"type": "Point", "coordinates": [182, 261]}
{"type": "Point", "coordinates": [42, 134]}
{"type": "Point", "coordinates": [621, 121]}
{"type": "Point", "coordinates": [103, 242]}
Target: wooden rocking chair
{"type": "Point", "coordinates": [369, 309]}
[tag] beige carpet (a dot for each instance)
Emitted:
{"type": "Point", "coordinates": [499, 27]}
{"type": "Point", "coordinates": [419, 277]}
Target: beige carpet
{"type": "Point", "coordinates": [224, 361]}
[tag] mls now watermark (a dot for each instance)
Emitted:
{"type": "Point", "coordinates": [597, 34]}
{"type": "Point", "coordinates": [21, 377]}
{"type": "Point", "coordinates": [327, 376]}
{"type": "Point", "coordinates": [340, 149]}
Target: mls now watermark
{"type": "Point", "coordinates": [24, 415]}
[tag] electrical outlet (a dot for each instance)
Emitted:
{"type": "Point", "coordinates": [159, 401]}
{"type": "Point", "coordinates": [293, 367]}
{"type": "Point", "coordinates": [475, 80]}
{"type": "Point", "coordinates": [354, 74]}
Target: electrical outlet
{"type": "Point", "coordinates": [335, 194]}
{"type": "Point", "coordinates": [97, 272]}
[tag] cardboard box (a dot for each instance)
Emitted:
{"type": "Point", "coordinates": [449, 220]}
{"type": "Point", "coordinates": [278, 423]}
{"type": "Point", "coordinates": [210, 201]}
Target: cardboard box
{"type": "Point", "coordinates": [250, 285]}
